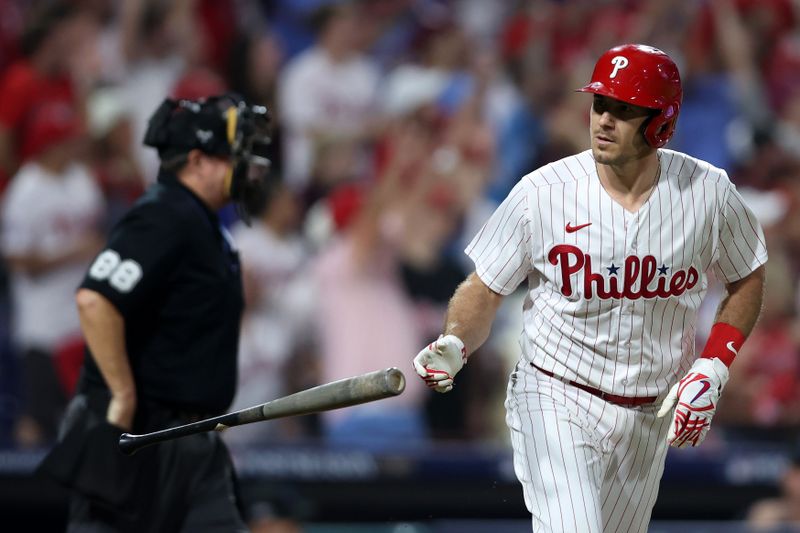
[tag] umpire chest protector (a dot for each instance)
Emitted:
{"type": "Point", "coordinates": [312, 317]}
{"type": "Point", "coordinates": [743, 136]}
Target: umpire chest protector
{"type": "Point", "coordinates": [172, 272]}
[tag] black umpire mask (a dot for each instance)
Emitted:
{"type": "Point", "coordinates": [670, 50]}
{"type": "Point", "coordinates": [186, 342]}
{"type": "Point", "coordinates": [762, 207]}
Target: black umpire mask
{"type": "Point", "coordinates": [250, 187]}
{"type": "Point", "coordinates": [247, 134]}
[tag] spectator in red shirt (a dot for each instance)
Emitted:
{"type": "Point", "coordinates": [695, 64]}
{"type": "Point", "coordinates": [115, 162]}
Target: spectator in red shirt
{"type": "Point", "coordinates": [41, 75]}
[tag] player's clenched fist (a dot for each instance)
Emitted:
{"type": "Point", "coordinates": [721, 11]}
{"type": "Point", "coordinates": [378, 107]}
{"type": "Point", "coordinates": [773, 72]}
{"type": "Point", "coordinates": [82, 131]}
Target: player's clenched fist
{"type": "Point", "coordinates": [439, 362]}
{"type": "Point", "coordinates": [696, 395]}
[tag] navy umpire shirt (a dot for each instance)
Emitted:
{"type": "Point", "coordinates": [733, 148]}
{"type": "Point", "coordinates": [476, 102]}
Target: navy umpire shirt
{"type": "Point", "coordinates": [171, 271]}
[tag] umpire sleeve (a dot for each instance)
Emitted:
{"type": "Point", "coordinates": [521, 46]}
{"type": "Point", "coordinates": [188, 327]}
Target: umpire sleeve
{"type": "Point", "coordinates": [501, 249]}
{"type": "Point", "coordinates": [137, 263]}
{"type": "Point", "coordinates": [742, 247]}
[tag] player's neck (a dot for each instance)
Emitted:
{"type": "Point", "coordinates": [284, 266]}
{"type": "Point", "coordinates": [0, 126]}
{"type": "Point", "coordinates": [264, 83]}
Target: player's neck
{"type": "Point", "coordinates": [630, 183]}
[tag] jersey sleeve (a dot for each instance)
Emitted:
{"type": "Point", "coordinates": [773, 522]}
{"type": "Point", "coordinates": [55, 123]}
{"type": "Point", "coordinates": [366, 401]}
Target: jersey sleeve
{"type": "Point", "coordinates": [742, 247]}
{"type": "Point", "coordinates": [138, 260]}
{"type": "Point", "coordinates": [501, 249]}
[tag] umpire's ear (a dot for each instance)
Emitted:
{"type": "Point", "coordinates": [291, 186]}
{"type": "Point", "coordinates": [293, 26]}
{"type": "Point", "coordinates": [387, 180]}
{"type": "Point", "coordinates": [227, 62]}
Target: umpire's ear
{"type": "Point", "coordinates": [194, 157]}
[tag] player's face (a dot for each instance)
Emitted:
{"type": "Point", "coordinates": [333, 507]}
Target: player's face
{"type": "Point", "coordinates": [616, 131]}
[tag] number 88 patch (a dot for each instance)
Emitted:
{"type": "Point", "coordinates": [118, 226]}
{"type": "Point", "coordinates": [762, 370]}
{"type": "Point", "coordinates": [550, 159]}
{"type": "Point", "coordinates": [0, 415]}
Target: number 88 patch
{"type": "Point", "coordinates": [123, 275]}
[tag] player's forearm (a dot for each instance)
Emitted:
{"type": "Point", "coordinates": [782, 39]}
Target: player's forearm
{"type": "Point", "coordinates": [736, 316]}
{"type": "Point", "coordinates": [104, 330]}
{"type": "Point", "coordinates": [471, 312]}
{"type": "Point", "coordinates": [742, 305]}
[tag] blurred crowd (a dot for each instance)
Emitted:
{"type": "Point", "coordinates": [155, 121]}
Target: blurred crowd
{"type": "Point", "coordinates": [398, 126]}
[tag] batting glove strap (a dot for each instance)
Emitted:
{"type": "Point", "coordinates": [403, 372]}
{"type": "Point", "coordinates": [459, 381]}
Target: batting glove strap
{"type": "Point", "coordinates": [695, 400]}
{"type": "Point", "coordinates": [439, 362]}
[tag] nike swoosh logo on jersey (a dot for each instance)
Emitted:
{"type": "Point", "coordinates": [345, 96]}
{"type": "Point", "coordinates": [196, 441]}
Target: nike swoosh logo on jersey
{"type": "Point", "coordinates": [573, 229]}
{"type": "Point", "coordinates": [731, 348]}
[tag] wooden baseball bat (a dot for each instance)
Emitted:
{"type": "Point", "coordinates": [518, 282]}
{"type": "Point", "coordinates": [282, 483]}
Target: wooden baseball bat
{"type": "Point", "coordinates": [342, 393]}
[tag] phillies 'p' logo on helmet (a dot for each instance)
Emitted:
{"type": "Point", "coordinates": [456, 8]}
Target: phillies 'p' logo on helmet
{"type": "Point", "coordinates": [644, 76]}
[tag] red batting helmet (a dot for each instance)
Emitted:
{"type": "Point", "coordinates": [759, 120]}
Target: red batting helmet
{"type": "Point", "coordinates": [644, 76]}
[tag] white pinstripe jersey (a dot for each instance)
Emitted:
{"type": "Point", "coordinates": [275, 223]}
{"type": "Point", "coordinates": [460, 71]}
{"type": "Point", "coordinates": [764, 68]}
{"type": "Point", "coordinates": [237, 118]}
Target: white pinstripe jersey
{"type": "Point", "coordinates": [613, 295]}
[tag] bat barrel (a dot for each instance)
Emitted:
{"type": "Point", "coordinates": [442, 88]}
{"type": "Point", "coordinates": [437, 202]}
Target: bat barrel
{"type": "Point", "coordinates": [395, 381]}
{"type": "Point", "coordinates": [337, 394]}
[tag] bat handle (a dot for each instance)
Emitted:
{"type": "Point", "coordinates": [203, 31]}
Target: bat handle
{"type": "Point", "coordinates": [129, 444]}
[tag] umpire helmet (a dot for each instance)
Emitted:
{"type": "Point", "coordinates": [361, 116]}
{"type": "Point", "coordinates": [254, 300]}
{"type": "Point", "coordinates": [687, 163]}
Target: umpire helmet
{"type": "Point", "coordinates": [644, 76]}
{"type": "Point", "coordinates": [223, 125]}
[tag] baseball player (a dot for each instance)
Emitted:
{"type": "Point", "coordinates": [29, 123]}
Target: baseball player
{"type": "Point", "coordinates": [615, 243]}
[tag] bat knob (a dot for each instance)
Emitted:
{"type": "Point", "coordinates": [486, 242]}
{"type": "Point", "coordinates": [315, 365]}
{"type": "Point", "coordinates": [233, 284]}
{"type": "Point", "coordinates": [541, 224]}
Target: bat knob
{"type": "Point", "coordinates": [127, 444]}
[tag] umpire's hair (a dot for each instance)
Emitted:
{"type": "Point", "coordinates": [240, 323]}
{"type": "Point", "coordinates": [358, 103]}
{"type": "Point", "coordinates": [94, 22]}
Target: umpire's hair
{"type": "Point", "coordinates": [43, 20]}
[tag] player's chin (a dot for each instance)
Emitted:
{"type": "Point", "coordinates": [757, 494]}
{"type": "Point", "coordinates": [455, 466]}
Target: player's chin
{"type": "Point", "coordinates": [603, 155]}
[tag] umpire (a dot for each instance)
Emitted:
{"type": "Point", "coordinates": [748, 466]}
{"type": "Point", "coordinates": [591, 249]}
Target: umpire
{"type": "Point", "coordinates": [160, 308]}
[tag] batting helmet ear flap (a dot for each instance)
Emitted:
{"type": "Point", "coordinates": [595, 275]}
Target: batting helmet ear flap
{"type": "Point", "coordinates": [661, 127]}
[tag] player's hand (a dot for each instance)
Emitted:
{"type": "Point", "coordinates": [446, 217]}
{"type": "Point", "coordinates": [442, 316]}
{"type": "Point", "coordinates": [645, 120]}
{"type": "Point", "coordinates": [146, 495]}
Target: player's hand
{"type": "Point", "coordinates": [696, 396]}
{"type": "Point", "coordinates": [439, 362]}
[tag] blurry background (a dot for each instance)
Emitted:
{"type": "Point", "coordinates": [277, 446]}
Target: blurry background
{"type": "Point", "coordinates": [399, 126]}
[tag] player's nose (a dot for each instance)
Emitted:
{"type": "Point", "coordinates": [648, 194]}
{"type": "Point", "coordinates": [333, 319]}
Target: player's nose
{"type": "Point", "coordinates": [606, 120]}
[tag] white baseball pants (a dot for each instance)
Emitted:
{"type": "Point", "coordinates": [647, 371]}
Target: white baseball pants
{"type": "Point", "coordinates": [586, 465]}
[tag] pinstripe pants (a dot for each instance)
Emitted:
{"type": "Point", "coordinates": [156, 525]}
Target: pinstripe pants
{"type": "Point", "coordinates": [585, 465]}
